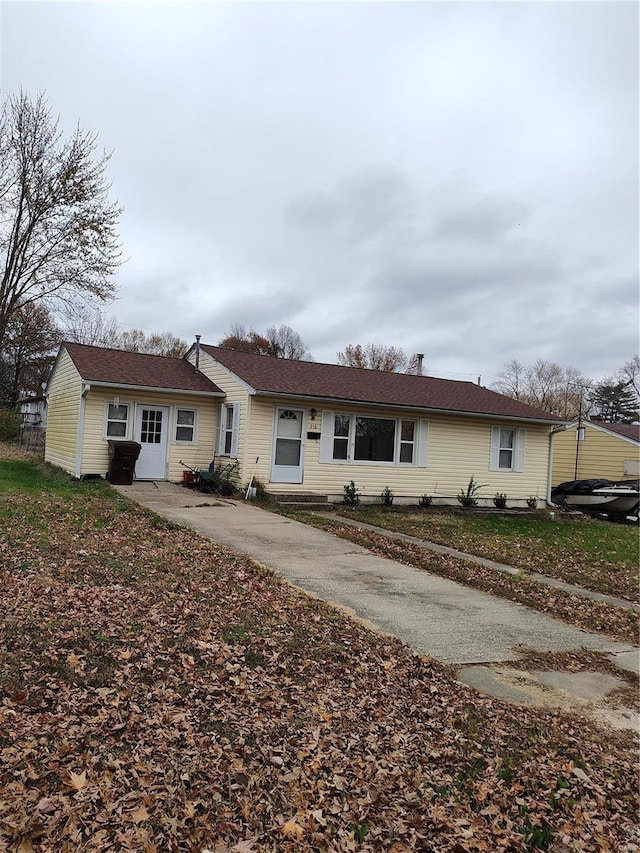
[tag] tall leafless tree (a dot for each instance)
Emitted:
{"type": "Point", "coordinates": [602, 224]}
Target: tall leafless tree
{"type": "Point", "coordinates": [278, 342]}
{"type": "Point", "coordinates": [57, 224]}
{"type": "Point", "coordinates": [547, 385]}
{"type": "Point", "coordinates": [378, 357]}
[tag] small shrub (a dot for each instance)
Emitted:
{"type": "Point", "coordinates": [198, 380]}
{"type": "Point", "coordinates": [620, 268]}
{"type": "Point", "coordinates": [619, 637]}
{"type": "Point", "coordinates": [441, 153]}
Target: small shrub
{"type": "Point", "coordinates": [425, 500]}
{"type": "Point", "coordinates": [386, 497]}
{"type": "Point", "coordinates": [224, 479]}
{"type": "Point", "coordinates": [469, 497]}
{"type": "Point", "coordinates": [500, 500]}
{"type": "Point", "coordinates": [351, 495]}
{"type": "Point", "coordinates": [532, 502]}
{"type": "Point", "coordinates": [9, 426]}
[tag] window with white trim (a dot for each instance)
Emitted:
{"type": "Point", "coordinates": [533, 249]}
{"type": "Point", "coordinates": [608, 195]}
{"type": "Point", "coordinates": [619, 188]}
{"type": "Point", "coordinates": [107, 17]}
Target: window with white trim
{"type": "Point", "coordinates": [507, 449]}
{"type": "Point", "coordinates": [360, 439]}
{"type": "Point", "coordinates": [228, 429]}
{"type": "Point", "coordinates": [186, 425]}
{"type": "Point", "coordinates": [117, 419]}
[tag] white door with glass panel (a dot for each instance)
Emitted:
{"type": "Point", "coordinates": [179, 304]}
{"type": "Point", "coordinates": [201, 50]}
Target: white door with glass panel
{"type": "Point", "coordinates": [152, 432]}
{"type": "Point", "coordinates": [288, 446]}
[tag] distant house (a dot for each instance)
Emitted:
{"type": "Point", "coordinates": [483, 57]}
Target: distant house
{"type": "Point", "coordinates": [305, 427]}
{"type": "Point", "coordinates": [606, 451]}
{"type": "Point", "coordinates": [33, 410]}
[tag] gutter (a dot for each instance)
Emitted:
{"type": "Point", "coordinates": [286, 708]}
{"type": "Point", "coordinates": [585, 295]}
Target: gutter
{"type": "Point", "coordinates": [152, 389]}
{"type": "Point", "coordinates": [550, 467]}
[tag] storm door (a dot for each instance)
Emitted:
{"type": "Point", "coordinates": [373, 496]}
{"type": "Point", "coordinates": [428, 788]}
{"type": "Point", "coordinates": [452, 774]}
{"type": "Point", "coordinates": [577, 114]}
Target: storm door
{"type": "Point", "coordinates": [288, 446]}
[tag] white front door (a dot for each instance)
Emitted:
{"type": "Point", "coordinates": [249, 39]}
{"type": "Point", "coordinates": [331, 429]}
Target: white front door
{"type": "Point", "coordinates": [152, 432]}
{"type": "Point", "coordinates": [288, 446]}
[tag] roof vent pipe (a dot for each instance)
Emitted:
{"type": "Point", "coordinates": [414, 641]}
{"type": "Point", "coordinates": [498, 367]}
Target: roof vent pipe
{"type": "Point", "coordinates": [198, 351]}
{"type": "Point", "coordinates": [420, 357]}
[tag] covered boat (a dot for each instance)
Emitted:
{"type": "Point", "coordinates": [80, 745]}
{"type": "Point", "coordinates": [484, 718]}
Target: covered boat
{"type": "Point", "coordinates": [600, 497]}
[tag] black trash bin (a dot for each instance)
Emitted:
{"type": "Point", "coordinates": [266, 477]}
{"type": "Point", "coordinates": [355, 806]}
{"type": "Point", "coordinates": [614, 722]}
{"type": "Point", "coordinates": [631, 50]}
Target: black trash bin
{"type": "Point", "coordinates": [122, 462]}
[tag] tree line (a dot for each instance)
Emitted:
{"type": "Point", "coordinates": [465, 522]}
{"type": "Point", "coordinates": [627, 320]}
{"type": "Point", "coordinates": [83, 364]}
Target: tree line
{"type": "Point", "coordinates": [568, 393]}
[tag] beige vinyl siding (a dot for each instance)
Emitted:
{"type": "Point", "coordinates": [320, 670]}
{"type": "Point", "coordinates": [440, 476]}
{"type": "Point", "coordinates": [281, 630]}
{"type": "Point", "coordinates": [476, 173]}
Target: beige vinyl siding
{"type": "Point", "coordinates": [458, 448]}
{"type": "Point", "coordinates": [63, 403]}
{"type": "Point", "coordinates": [601, 455]}
{"type": "Point", "coordinates": [236, 392]}
{"type": "Point", "coordinates": [95, 448]}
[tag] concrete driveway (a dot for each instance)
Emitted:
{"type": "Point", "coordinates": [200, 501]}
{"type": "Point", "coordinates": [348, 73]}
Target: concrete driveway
{"type": "Point", "coordinates": [451, 622]}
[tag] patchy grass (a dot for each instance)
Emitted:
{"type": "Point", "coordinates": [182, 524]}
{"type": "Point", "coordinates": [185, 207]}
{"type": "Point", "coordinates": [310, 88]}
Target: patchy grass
{"type": "Point", "coordinates": [160, 693]}
{"type": "Point", "coordinates": [598, 555]}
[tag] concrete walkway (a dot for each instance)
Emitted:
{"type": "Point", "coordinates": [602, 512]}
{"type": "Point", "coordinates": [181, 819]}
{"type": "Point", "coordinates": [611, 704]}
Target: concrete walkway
{"type": "Point", "coordinates": [544, 580]}
{"type": "Point", "coordinates": [451, 622]}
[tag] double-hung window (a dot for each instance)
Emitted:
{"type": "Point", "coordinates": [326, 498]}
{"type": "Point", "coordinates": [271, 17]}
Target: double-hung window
{"type": "Point", "coordinates": [356, 438]}
{"type": "Point", "coordinates": [341, 436]}
{"type": "Point", "coordinates": [407, 441]}
{"type": "Point", "coordinates": [228, 429]}
{"type": "Point", "coordinates": [507, 449]}
{"type": "Point", "coordinates": [186, 425]}
{"type": "Point", "coordinates": [117, 418]}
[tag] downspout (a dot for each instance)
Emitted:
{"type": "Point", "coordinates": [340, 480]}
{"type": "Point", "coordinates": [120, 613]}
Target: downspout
{"type": "Point", "coordinates": [550, 467]}
{"type": "Point", "coordinates": [80, 437]}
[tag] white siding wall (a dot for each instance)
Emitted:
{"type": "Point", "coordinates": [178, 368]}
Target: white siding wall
{"type": "Point", "coordinates": [95, 449]}
{"type": "Point", "coordinates": [458, 448]}
{"type": "Point", "coordinates": [65, 389]}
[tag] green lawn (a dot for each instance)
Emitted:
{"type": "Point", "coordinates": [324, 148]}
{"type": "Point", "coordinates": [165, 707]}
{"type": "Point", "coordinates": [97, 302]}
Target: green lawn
{"type": "Point", "coordinates": [599, 555]}
{"type": "Point", "coordinates": [159, 693]}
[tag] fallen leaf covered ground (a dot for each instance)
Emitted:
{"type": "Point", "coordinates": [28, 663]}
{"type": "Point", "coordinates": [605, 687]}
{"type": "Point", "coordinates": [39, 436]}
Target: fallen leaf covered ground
{"type": "Point", "coordinates": [159, 693]}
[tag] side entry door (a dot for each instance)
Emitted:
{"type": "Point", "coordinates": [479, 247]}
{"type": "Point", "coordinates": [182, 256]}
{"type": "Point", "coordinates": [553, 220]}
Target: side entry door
{"type": "Point", "coordinates": [152, 432]}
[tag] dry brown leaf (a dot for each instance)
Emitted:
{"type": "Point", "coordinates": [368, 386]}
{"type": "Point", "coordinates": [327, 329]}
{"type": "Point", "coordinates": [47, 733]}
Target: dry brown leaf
{"type": "Point", "coordinates": [78, 781]}
{"type": "Point", "coordinates": [292, 829]}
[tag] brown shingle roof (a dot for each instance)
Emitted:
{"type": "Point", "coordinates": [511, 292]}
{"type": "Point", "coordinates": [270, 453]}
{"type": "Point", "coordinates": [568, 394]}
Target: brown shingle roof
{"type": "Point", "coordinates": [330, 381]}
{"type": "Point", "coordinates": [631, 431]}
{"type": "Point", "coordinates": [114, 366]}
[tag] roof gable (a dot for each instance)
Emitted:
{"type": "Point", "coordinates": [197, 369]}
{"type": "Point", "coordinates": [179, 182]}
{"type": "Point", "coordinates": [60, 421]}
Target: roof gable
{"type": "Point", "coordinates": [330, 381]}
{"type": "Point", "coordinates": [119, 367]}
{"type": "Point", "coordinates": [629, 431]}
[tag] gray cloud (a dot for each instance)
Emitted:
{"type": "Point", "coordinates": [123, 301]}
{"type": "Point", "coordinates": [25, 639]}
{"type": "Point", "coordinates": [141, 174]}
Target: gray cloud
{"type": "Point", "coordinates": [460, 179]}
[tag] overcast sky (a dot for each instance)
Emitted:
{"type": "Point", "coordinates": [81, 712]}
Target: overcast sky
{"type": "Point", "coordinates": [459, 179]}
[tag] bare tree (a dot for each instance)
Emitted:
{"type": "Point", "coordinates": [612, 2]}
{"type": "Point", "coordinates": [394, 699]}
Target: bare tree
{"type": "Point", "coordinates": [287, 343]}
{"type": "Point", "coordinates": [547, 386]}
{"type": "Point", "coordinates": [278, 342]}
{"type": "Point", "coordinates": [156, 343]}
{"type": "Point", "coordinates": [378, 357]}
{"type": "Point", "coordinates": [629, 373]}
{"type": "Point", "coordinates": [83, 324]}
{"type": "Point", "coordinates": [510, 380]}
{"type": "Point", "coordinates": [57, 225]}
